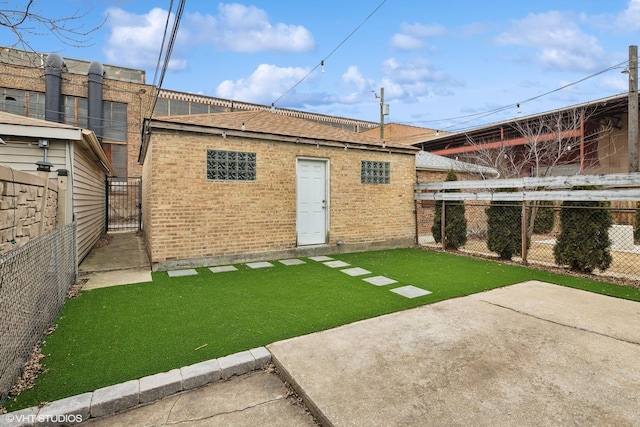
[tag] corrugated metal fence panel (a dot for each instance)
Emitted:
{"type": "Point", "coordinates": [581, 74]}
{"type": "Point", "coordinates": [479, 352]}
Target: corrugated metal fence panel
{"type": "Point", "coordinates": [89, 200]}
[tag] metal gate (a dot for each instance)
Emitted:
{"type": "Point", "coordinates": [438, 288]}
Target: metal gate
{"type": "Point", "coordinates": [124, 203]}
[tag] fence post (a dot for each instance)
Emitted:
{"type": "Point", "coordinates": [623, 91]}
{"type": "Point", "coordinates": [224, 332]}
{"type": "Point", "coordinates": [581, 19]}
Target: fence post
{"type": "Point", "coordinates": [43, 203]}
{"type": "Point", "coordinates": [523, 231]}
{"type": "Point", "coordinates": [443, 222]}
{"type": "Point", "coordinates": [63, 211]}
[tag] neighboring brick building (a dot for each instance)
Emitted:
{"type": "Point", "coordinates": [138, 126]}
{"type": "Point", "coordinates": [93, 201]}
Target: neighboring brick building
{"type": "Point", "coordinates": [127, 100]}
{"type": "Point", "coordinates": [232, 187]}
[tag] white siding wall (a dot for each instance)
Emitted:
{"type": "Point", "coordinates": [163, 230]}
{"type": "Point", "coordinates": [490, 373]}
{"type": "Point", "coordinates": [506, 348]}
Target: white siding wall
{"type": "Point", "coordinates": [89, 199]}
{"type": "Point", "coordinates": [23, 155]}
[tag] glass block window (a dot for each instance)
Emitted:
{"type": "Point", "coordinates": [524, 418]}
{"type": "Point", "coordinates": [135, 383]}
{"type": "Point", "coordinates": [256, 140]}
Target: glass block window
{"type": "Point", "coordinates": [231, 165]}
{"type": "Point", "coordinates": [375, 172]}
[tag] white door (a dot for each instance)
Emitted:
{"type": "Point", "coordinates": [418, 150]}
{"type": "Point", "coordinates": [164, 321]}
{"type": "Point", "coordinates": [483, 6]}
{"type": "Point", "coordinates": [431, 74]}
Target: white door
{"type": "Point", "coordinates": [312, 202]}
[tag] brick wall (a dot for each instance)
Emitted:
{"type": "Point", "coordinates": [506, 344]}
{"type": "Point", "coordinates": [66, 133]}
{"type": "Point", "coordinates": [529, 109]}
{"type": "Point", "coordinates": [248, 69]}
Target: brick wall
{"type": "Point", "coordinates": [26, 209]}
{"type": "Point", "coordinates": [187, 217]}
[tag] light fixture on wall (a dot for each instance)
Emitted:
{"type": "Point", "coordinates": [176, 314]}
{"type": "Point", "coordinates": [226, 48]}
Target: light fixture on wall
{"type": "Point", "coordinates": [224, 134]}
{"type": "Point", "coordinates": [44, 165]}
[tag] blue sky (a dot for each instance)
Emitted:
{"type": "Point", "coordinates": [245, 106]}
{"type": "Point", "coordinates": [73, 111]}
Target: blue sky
{"type": "Point", "coordinates": [442, 64]}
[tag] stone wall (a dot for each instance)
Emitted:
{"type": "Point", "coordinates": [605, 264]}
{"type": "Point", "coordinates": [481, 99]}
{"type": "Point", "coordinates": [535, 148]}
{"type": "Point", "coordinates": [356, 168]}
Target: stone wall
{"type": "Point", "coordinates": [28, 207]}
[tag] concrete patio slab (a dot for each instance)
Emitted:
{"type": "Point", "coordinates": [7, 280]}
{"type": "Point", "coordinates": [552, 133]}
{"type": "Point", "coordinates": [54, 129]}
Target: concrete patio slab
{"type": "Point", "coordinates": [356, 271]}
{"type": "Point", "coordinates": [410, 291]}
{"type": "Point", "coordinates": [261, 264]}
{"type": "Point", "coordinates": [380, 280]}
{"type": "Point", "coordinates": [223, 269]}
{"type": "Point", "coordinates": [525, 355]}
{"type": "Point", "coordinates": [293, 261]}
{"type": "Point", "coordinates": [336, 264]}
{"type": "Point", "coordinates": [182, 273]}
{"type": "Point", "coordinates": [116, 278]}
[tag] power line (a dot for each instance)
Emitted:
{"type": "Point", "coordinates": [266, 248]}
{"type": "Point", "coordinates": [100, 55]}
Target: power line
{"type": "Point", "coordinates": [487, 113]}
{"type": "Point", "coordinates": [169, 50]}
{"type": "Point", "coordinates": [322, 62]}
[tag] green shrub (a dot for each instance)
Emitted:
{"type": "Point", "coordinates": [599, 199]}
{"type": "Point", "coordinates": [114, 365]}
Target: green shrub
{"type": "Point", "coordinates": [455, 228]}
{"type": "Point", "coordinates": [583, 242]}
{"type": "Point", "coordinates": [543, 221]}
{"type": "Point", "coordinates": [504, 228]}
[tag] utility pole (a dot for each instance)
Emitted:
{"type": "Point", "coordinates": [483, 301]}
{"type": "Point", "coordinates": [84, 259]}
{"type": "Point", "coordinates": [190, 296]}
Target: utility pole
{"type": "Point", "coordinates": [632, 134]}
{"type": "Point", "coordinates": [384, 111]}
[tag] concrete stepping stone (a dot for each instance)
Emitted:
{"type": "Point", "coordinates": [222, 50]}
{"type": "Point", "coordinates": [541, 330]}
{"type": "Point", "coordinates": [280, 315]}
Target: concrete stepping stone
{"type": "Point", "coordinates": [320, 258]}
{"type": "Point", "coordinates": [182, 273]}
{"type": "Point", "coordinates": [357, 271]}
{"type": "Point", "coordinates": [336, 264]}
{"type": "Point", "coordinates": [222, 268]}
{"type": "Point", "coordinates": [261, 264]}
{"type": "Point", "coordinates": [292, 261]}
{"type": "Point", "coordinates": [380, 280]}
{"type": "Point", "coordinates": [410, 291]}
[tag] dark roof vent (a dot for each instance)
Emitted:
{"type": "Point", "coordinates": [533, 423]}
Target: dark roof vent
{"type": "Point", "coordinates": [53, 105]}
{"type": "Point", "coordinates": [95, 78]}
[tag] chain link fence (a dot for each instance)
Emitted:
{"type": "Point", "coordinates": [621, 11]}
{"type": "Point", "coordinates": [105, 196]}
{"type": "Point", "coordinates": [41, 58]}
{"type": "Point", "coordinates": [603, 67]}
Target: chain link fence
{"type": "Point", "coordinates": [34, 280]}
{"type": "Point", "coordinates": [599, 238]}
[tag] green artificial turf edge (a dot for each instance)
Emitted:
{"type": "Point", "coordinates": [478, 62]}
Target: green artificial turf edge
{"type": "Point", "coordinates": [110, 335]}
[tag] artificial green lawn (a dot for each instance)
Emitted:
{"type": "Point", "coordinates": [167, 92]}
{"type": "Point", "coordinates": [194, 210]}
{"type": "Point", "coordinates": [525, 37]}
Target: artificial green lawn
{"type": "Point", "coordinates": [110, 335]}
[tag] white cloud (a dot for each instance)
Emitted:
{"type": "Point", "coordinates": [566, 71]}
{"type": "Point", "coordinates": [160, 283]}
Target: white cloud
{"type": "Point", "coordinates": [353, 76]}
{"type": "Point", "coordinates": [560, 43]}
{"type": "Point", "coordinates": [410, 72]}
{"type": "Point", "coordinates": [247, 29]}
{"type": "Point", "coordinates": [411, 36]}
{"type": "Point", "coordinates": [266, 84]}
{"type": "Point", "coordinates": [626, 21]}
{"type": "Point", "coordinates": [406, 42]}
{"type": "Point", "coordinates": [135, 39]}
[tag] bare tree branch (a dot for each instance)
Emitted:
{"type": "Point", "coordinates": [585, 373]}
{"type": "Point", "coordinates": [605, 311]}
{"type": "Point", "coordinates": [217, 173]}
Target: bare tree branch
{"type": "Point", "coordinates": [25, 22]}
{"type": "Point", "coordinates": [537, 146]}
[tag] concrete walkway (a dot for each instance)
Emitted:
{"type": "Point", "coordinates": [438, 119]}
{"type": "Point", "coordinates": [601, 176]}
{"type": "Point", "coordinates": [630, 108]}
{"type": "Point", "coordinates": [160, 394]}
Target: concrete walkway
{"type": "Point", "coordinates": [122, 261]}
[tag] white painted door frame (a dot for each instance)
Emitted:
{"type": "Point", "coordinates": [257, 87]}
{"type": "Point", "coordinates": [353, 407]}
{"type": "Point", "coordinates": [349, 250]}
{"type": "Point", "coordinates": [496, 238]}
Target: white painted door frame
{"type": "Point", "coordinates": [312, 201]}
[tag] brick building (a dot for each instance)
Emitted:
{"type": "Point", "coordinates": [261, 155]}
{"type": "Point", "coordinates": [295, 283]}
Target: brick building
{"type": "Point", "coordinates": [232, 187]}
{"type": "Point", "coordinates": [126, 101]}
